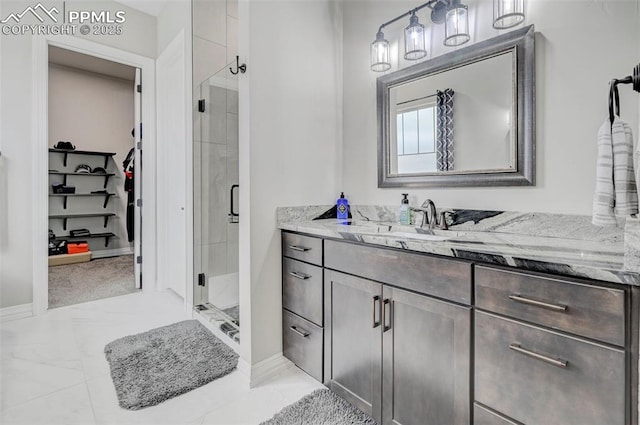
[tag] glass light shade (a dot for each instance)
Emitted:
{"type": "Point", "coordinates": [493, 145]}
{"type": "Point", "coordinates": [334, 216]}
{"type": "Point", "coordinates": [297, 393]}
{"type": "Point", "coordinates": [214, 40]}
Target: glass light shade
{"type": "Point", "coordinates": [507, 13]}
{"type": "Point", "coordinates": [456, 26]}
{"type": "Point", "coordinates": [380, 54]}
{"type": "Point", "coordinates": [414, 40]}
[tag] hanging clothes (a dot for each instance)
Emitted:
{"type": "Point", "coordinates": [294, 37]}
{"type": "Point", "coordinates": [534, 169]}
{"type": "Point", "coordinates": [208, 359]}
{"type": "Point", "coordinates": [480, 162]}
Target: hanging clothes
{"type": "Point", "coordinates": [129, 187]}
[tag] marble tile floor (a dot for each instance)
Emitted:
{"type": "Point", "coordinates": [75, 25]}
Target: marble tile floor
{"type": "Point", "coordinates": [53, 371]}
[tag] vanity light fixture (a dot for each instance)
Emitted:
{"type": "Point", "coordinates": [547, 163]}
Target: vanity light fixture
{"type": "Point", "coordinates": [380, 53]}
{"type": "Point", "coordinates": [414, 39]}
{"type": "Point", "coordinates": [456, 24]}
{"type": "Point", "coordinates": [455, 17]}
{"type": "Point", "coordinates": [507, 13]}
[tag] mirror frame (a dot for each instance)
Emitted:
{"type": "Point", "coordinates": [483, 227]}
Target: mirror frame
{"type": "Point", "coordinates": [522, 42]}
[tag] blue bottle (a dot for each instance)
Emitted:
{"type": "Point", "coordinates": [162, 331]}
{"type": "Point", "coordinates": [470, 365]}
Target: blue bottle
{"type": "Point", "coordinates": [342, 207]}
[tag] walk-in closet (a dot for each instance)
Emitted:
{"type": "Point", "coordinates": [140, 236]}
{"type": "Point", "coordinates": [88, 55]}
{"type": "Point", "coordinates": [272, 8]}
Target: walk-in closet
{"type": "Point", "coordinates": [92, 170]}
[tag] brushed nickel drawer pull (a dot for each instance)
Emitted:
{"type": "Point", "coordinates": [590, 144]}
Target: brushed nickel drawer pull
{"type": "Point", "coordinates": [376, 301]}
{"type": "Point", "coordinates": [556, 362]}
{"type": "Point", "coordinates": [299, 248]}
{"type": "Point", "coordinates": [302, 333]}
{"type": "Point", "coordinates": [299, 275]}
{"type": "Point", "coordinates": [537, 303]}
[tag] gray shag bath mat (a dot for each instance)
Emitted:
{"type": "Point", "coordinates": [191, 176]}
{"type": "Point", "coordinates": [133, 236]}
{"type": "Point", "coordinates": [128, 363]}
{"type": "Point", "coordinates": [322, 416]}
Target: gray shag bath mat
{"type": "Point", "coordinates": [162, 363]}
{"type": "Point", "coordinates": [321, 407]}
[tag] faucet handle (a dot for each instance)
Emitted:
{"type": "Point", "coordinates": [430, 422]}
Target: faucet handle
{"type": "Point", "coordinates": [443, 221]}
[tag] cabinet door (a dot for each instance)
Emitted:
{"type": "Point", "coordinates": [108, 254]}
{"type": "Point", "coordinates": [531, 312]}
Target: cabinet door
{"type": "Point", "coordinates": [354, 322]}
{"type": "Point", "coordinates": [426, 356]}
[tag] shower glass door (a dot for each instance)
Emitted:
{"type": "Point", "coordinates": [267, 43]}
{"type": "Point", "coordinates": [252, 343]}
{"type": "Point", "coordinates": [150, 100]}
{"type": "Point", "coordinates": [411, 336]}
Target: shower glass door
{"type": "Point", "coordinates": [216, 202]}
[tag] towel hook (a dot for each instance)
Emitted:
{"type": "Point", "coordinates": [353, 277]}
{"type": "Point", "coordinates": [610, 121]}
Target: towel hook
{"type": "Point", "coordinates": [239, 68]}
{"type": "Point", "coordinates": [614, 96]}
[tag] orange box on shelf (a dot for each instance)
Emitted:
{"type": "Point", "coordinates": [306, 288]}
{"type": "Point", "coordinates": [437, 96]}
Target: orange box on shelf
{"type": "Point", "coordinates": [77, 247]}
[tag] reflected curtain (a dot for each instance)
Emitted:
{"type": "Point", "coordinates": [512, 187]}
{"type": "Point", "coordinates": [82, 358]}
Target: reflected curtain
{"type": "Point", "coordinates": [444, 143]}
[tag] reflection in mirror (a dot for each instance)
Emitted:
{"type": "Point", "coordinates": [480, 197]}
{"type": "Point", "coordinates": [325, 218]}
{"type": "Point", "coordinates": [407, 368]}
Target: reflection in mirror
{"type": "Point", "coordinates": [455, 121]}
{"type": "Point", "coordinates": [461, 119]}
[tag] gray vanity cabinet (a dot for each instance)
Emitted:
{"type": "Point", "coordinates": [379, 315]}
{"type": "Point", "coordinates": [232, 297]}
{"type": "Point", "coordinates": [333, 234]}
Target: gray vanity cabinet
{"type": "Point", "coordinates": [551, 350]}
{"type": "Point", "coordinates": [354, 307]}
{"type": "Point", "coordinates": [302, 302]}
{"type": "Point", "coordinates": [401, 356]}
{"type": "Point", "coordinates": [426, 360]}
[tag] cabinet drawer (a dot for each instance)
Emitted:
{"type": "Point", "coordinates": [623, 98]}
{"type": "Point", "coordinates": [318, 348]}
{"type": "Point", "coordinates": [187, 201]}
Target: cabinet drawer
{"type": "Point", "coordinates": [581, 309]}
{"type": "Point", "coordinates": [541, 377]}
{"type": "Point", "coordinates": [303, 248]}
{"type": "Point", "coordinates": [429, 275]}
{"type": "Point", "coordinates": [302, 289]}
{"type": "Point", "coordinates": [483, 416]}
{"type": "Point", "coordinates": [302, 343]}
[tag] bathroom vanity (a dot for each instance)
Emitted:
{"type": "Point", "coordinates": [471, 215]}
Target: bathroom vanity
{"type": "Point", "coordinates": [416, 338]}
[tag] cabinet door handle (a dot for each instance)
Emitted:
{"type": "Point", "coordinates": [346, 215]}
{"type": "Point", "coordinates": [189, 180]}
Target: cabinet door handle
{"type": "Point", "coordinates": [386, 314]}
{"type": "Point", "coordinates": [302, 333]}
{"type": "Point", "coordinates": [537, 303]}
{"type": "Point", "coordinates": [299, 275]}
{"type": "Point", "coordinates": [376, 301]}
{"type": "Point", "coordinates": [555, 362]}
{"type": "Point", "coordinates": [299, 248]}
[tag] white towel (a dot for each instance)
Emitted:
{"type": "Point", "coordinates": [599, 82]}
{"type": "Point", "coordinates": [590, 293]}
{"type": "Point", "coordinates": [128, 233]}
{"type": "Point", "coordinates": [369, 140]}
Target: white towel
{"type": "Point", "coordinates": [616, 192]}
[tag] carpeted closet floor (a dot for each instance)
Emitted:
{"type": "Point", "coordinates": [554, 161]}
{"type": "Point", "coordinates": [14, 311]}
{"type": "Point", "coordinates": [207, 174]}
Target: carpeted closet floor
{"type": "Point", "coordinates": [94, 280]}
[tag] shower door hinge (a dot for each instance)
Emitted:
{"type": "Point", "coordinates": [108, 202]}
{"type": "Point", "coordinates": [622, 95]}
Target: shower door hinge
{"type": "Point", "coordinates": [138, 88]}
{"type": "Point", "coordinates": [139, 146]}
{"type": "Point", "coordinates": [139, 259]}
{"type": "Point", "coordinates": [201, 279]}
{"type": "Point", "coordinates": [138, 202]}
{"type": "Point", "coordinates": [201, 105]}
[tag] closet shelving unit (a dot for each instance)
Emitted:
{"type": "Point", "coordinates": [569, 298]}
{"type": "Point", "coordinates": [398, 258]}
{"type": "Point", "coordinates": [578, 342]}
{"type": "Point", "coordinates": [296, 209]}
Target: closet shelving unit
{"type": "Point", "coordinates": [67, 152]}
{"type": "Point", "coordinates": [107, 196]}
{"type": "Point", "coordinates": [65, 175]}
{"type": "Point", "coordinates": [73, 215]}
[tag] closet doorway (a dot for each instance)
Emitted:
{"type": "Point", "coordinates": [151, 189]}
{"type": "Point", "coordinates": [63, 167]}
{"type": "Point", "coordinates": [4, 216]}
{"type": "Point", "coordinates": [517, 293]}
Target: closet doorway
{"type": "Point", "coordinates": [94, 158]}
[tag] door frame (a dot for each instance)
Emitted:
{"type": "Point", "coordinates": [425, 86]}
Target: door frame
{"type": "Point", "coordinates": [40, 155]}
{"type": "Point", "coordinates": [177, 50]}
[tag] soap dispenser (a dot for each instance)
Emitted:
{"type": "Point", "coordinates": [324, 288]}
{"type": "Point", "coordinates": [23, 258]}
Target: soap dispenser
{"type": "Point", "coordinates": [405, 212]}
{"type": "Point", "coordinates": [342, 207]}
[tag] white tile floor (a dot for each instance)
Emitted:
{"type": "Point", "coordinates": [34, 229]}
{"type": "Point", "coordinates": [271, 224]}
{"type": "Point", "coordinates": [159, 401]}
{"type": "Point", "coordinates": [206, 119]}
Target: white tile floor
{"type": "Point", "coordinates": [53, 371]}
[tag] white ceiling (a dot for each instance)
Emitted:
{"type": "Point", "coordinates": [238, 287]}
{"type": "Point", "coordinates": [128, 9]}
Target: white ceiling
{"type": "Point", "coordinates": [90, 63]}
{"type": "Point", "coordinates": [150, 7]}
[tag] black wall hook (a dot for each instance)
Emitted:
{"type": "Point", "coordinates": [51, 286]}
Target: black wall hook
{"type": "Point", "coordinates": [239, 68]}
{"type": "Point", "coordinates": [614, 97]}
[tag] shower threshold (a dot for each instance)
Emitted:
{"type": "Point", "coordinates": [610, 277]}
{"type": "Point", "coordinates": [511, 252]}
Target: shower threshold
{"type": "Point", "coordinates": [227, 320]}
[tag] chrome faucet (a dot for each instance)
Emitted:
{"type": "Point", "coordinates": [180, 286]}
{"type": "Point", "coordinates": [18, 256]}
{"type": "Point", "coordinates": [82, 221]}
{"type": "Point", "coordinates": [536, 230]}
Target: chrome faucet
{"type": "Point", "coordinates": [430, 215]}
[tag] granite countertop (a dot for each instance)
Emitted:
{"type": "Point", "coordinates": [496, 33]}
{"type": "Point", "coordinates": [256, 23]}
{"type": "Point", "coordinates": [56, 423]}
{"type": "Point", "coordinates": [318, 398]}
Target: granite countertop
{"type": "Point", "coordinates": [563, 245]}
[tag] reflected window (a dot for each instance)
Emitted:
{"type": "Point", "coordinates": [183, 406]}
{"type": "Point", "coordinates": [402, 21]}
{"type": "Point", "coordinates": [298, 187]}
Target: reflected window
{"type": "Point", "coordinates": [416, 137]}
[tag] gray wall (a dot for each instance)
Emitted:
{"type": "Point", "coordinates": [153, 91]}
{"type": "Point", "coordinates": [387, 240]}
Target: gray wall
{"type": "Point", "coordinates": [290, 143]}
{"type": "Point", "coordinates": [574, 63]}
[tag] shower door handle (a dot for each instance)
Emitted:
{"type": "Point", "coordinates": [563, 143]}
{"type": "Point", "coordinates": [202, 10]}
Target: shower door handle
{"type": "Point", "coordinates": [233, 216]}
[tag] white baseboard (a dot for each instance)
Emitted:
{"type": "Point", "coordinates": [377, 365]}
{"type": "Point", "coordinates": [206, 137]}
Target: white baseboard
{"type": "Point", "coordinates": [16, 312]}
{"type": "Point", "coordinates": [103, 253]}
{"type": "Point", "coordinates": [261, 372]}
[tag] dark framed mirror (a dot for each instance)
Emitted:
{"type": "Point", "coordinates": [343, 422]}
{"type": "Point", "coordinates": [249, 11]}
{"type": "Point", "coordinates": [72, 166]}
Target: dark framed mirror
{"type": "Point", "coordinates": [466, 118]}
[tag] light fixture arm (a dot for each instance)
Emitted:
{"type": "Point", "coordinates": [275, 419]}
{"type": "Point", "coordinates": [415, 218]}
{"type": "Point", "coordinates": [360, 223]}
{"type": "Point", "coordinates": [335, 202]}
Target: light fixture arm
{"type": "Point", "coordinates": [431, 4]}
